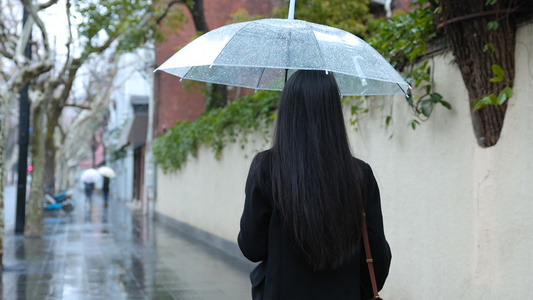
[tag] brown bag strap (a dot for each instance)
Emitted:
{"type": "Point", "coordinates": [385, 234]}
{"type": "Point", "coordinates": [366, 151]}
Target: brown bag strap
{"type": "Point", "coordinates": [369, 260]}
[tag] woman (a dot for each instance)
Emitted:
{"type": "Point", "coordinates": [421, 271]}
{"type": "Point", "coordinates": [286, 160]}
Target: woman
{"type": "Point", "coordinates": [304, 198]}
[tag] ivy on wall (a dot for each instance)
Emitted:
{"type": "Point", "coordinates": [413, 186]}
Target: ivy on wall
{"type": "Point", "coordinates": [403, 40]}
{"type": "Point", "coordinates": [215, 128]}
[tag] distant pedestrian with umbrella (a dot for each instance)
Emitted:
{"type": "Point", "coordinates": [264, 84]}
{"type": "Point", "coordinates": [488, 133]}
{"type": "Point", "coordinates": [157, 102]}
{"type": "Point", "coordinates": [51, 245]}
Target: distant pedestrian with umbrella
{"type": "Point", "coordinates": [89, 177]}
{"type": "Point", "coordinates": [107, 173]}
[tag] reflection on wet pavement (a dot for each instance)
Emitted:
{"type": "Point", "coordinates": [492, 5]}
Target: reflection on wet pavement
{"type": "Point", "coordinates": [115, 253]}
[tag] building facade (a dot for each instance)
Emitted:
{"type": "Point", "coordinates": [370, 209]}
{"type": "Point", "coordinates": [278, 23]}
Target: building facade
{"type": "Point", "coordinates": [128, 124]}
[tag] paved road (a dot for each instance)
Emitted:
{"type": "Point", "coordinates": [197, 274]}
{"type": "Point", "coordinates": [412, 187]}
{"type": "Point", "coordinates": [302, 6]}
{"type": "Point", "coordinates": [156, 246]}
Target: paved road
{"type": "Point", "coordinates": [115, 253]}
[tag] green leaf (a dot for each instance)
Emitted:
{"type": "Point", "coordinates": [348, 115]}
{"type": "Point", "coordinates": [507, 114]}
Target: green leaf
{"type": "Point", "coordinates": [501, 98]}
{"type": "Point", "coordinates": [479, 104]}
{"type": "Point", "coordinates": [409, 100]}
{"type": "Point", "coordinates": [413, 123]}
{"type": "Point", "coordinates": [436, 97]}
{"type": "Point", "coordinates": [493, 25]}
{"type": "Point", "coordinates": [508, 91]}
{"type": "Point", "coordinates": [498, 71]}
{"type": "Point", "coordinates": [492, 99]}
{"type": "Point", "coordinates": [491, 2]}
{"type": "Point", "coordinates": [446, 104]}
{"type": "Point", "coordinates": [488, 46]}
{"type": "Point", "coordinates": [425, 111]}
{"type": "Point", "coordinates": [387, 121]}
{"type": "Point", "coordinates": [496, 79]}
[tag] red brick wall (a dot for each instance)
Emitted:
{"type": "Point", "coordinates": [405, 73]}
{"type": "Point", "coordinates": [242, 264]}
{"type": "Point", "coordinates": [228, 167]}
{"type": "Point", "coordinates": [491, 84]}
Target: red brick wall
{"type": "Point", "coordinates": [172, 101]}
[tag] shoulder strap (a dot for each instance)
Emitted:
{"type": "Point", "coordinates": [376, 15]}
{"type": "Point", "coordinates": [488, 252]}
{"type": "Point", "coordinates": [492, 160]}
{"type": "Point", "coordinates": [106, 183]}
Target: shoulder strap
{"type": "Point", "coordinates": [369, 260]}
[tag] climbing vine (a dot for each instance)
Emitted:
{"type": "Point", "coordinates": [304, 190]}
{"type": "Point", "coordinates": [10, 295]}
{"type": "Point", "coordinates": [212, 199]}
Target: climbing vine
{"type": "Point", "coordinates": [404, 40]}
{"type": "Point", "coordinates": [215, 128]}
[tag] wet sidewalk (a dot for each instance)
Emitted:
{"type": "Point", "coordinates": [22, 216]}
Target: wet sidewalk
{"type": "Point", "coordinates": [116, 253]}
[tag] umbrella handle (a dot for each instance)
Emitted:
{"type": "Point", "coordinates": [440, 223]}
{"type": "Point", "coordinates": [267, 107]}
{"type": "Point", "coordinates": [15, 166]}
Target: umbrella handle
{"type": "Point", "coordinates": [291, 10]}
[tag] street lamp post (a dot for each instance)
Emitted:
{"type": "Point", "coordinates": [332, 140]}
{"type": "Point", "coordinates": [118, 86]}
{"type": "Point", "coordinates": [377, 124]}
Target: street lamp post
{"type": "Point", "coordinates": [24, 141]}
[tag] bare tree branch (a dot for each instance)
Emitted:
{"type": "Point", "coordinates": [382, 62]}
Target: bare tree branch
{"type": "Point", "coordinates": [33, 13]}
{"type": "Point", "coordinates": [160, 18]}
{"type": "Point", "coordinates": [5, 39]}
{"type": "Point", "coordinates": [23, 41]}
{"type": "Point", "coordinates": [4, 75]}
{"type": "Point", "coordinates": [5, 53]}
{"type": "Point", "coordinates": [77, 105]}
{"type": "Point", "coordinates": [69, 41]}
{"type": "Point", "coordinates": [46, 4]}
{"type": "Point", "coordinates": [68, 85]}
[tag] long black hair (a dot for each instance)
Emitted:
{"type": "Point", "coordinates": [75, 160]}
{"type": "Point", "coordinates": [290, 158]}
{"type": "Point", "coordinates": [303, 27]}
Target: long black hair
{"type": "Point", "coordinates": [317, 184]}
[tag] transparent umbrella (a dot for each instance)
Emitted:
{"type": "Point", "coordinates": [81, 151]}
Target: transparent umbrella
{"type": "Point", "coordinates": [261, 54]}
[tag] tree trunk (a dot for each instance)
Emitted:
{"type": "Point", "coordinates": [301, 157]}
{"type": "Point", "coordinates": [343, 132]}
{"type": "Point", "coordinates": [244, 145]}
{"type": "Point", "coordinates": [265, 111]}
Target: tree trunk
{"type": "Point", "coordinates": [50, 149]}
{"type": "Point", "coordinates": [2, 171]}
{"type": "Point", "coordinates": [468, 36]}
{"type": "Point", "coordinates": [34, 215]}
{"type": "Point", "coordinates": [218, 93]}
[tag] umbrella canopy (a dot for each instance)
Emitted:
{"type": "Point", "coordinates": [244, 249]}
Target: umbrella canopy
{"type": "Point", "coordinates": [107, 172]}
{"type": "Point", "coordinates": [90, 176]}
{"type": "Point", "coordinates": [261, 54]}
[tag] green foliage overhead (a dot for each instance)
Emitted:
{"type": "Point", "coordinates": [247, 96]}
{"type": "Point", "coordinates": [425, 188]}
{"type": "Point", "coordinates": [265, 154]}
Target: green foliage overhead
{"type": "Point", "coordinates": [232, 123]}
{"type": "Point", "coordinates": [404, 37]}
{"type": "Point", "coordinates": [130, 22]}
{"type": "Point", "coordinates": [351, 16]}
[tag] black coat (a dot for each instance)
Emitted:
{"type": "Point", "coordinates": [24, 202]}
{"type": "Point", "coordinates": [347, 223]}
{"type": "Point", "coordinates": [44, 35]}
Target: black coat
{"type": "Point", "coordinates": [283, 272]}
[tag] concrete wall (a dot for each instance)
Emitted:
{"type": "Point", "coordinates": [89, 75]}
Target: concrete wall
{"type": "Point", "coordinates": [457, 216]}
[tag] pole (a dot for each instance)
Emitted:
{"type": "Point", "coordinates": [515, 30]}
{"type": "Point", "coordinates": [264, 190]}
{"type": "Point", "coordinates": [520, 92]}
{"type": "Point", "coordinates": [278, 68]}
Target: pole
{"type": "Point", "coordinates": [24, 141]}
{"type": "Point", "coordinates": [291, 10]}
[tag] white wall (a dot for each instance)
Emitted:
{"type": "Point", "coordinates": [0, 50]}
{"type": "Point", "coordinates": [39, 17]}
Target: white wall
{"type": "Point", "coordinates": [207, 193]}
{"type": "Point", "coordinates": [457, 216]}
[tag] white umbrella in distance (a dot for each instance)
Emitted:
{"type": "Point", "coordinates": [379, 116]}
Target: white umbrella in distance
{"type": "Point", "coordinates": [261, 54]}
{"type": "Point", "coordinates": [107, 172]}
{"type": "Point", "coordinates": [90, 176]}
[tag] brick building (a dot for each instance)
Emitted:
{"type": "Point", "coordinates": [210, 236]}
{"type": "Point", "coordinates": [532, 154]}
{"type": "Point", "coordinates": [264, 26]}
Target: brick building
{"type": "Point", "coordinates": [173, 101]}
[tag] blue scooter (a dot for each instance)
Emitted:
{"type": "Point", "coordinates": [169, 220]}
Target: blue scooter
{"type": "Point", "coordinates": [63, 201]}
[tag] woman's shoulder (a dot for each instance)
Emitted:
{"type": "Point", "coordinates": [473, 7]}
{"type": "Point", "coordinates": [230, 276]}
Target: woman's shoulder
{"type": "Point", "coordinates": [260, 162]}
{"type": "Point", "coordinates": [260, 159]}
{"type": "Point", "coordinates": [362, 164]}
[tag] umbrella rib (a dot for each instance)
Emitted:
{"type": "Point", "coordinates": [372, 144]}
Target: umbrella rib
{"type": "Point", "coordinates": [190, 68]}
{"type": "Point", "coordinates": [259, 80]}
{"type": "Point", "coordinates": [402, 89]}
{"type": "Point", "coordinates": [319, 49]}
